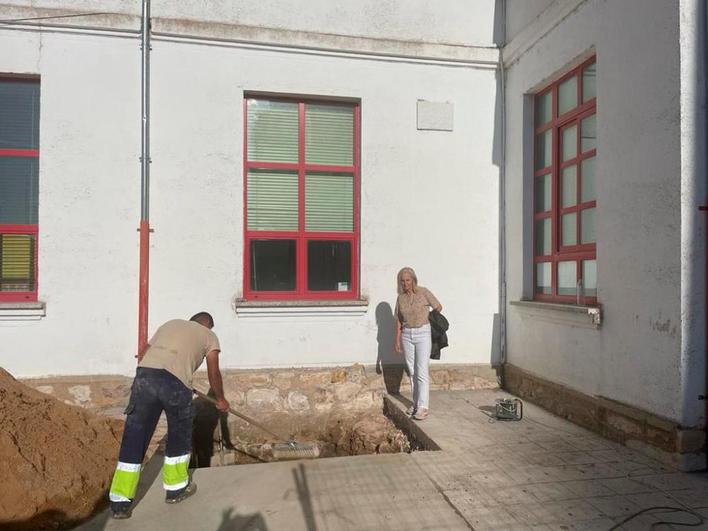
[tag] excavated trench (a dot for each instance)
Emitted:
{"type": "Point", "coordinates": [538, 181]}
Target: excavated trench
{"type": "Point", "coordinates": [221, 440]}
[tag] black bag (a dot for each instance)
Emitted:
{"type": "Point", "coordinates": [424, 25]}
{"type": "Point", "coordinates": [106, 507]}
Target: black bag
{"type": "Point", "coordinates": [438, 333]}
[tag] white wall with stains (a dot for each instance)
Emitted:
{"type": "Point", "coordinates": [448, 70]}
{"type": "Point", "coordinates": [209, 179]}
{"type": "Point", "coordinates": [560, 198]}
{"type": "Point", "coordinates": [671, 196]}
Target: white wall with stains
{"type": "Point", "coordinates": [443, 21]}
{"type": "Point", "coordinates": [639, 355]}
{"type": "Point", "coordinates": [429, 198]}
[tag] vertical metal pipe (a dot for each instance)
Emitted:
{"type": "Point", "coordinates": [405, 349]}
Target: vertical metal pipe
{"type": "Point", "coordinates": [502, 194]}
{"type": "Point", "coordinates": [144, 180]}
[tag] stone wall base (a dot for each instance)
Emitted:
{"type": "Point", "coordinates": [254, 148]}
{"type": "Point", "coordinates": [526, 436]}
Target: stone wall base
{"type": "Point", "coordinates": [293, 391]}
{"type": "Point", "coordinates": [660, 438]}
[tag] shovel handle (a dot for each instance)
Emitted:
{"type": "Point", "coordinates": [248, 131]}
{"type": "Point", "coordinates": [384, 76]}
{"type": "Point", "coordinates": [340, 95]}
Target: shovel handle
{"type": "Point", "coordinates": [240, 415]}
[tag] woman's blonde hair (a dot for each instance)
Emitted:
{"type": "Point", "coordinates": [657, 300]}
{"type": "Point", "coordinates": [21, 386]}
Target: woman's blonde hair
{"type": "Point", "coordinates": [410, 271]}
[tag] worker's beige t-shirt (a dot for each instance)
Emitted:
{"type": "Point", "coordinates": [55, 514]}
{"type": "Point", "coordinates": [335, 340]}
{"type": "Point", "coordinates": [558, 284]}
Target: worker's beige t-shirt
{"type": "Point", "coordinates": [179, 347]}
{"type": "Point", "coordinates": [412, 308]}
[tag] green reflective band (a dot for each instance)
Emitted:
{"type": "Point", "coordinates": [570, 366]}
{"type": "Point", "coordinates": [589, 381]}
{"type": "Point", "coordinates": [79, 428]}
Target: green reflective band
{"type": "Point", "coordinates": [125, 483]}
{"type": "Point", "coordinates": [175, 472]}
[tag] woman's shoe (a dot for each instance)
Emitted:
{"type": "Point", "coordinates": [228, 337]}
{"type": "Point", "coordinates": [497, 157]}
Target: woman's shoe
{"type": "Point", "coordinates": [421, 414]}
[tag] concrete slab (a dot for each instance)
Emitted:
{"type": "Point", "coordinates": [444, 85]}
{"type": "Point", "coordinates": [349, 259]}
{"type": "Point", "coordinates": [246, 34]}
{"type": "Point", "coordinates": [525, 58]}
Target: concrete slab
{"type": "Point", "coordinates": [539, 473]}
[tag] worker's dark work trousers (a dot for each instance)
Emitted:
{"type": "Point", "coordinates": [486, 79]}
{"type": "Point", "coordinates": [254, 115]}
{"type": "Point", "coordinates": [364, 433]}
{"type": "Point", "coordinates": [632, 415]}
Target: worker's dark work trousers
{"type": "Point", "coordinates": [154, 391]}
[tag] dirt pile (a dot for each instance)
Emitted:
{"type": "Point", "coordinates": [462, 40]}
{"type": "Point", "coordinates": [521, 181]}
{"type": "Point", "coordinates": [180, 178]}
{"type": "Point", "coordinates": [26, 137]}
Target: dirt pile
{"type": "Point", "coordinates": [56, 460]}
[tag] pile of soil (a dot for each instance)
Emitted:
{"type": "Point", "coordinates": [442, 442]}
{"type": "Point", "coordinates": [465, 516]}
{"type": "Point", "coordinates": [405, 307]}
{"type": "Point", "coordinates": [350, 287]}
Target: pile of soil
{"type": "Point", "coordinates": [57, 460]}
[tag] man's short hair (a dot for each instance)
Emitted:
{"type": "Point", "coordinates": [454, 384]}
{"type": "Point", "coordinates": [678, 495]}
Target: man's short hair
{"type": "Point", "coordinates": [203, 316]}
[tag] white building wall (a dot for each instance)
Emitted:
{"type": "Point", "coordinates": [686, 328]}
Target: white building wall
{"type": "Point", "coordinates": [89, 191]}
{"type": "Point", "coordinates": [520, 14]}
{"type": "Point", "coordinates": [442, 21]}
{"type": "Point", "coordinates": [429, 199]}
{"type": "Point", "coordinates": [635, 356]}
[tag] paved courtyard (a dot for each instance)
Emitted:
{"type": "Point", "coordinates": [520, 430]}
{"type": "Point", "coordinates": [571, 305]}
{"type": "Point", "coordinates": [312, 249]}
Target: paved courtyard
{"type": "Point", "coordinates": [540, 473]}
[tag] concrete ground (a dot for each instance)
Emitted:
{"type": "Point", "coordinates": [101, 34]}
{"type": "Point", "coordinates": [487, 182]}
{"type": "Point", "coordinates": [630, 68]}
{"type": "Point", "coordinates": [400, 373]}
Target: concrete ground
{"type": "Point", "coordinates": [540, 473]}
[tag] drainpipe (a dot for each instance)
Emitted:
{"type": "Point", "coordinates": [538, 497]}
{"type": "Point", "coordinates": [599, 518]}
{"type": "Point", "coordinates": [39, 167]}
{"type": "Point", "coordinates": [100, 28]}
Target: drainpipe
{"type": "Point", "coordinates": [144, 180]}
{"type": "Point", "coordinates": [704, 209]}
{"type": "Point", "coordinates": [502, 195]}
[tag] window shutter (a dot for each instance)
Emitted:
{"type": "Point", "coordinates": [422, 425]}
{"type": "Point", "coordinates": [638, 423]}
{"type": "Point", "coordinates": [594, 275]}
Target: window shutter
{"type": "Point", "coordinates": [329, 135]}
{"type": "Point", "coordinates": [16, 262]}
{"type": "Point", "coordinates": [272, 200]}
{"type": "Point", "coordinates": [18, 190]}
{"type": "Point", "coordinates": [272, 131]}
{"type": "Point", "coordinates": [19, 115]}
{"type": "Point", "coordinates": [329, 202]}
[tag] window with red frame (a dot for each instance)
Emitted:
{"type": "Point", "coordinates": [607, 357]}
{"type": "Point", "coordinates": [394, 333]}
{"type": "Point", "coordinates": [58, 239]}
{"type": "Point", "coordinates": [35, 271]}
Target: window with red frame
{"type": "Point", "coordinates": [565, 265]}
{"type": "Point", "coordinates": [19, 175]}
{"type": "Point", "coordinates": [301, 199]}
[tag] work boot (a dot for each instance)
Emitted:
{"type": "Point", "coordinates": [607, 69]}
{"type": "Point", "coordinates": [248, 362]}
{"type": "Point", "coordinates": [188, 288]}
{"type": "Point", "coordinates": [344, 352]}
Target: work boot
{"type": "Point", "coordinates": [121, 510]}
{"type": "Point", "coordinates": [176, 496]}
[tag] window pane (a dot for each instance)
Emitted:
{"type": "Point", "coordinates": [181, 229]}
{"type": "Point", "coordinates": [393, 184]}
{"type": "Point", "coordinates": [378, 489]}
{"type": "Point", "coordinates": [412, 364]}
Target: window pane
{"type": "Point", "coordinates": [272, 131]}
{"type": "Point", "coordinates": [587, 169]}
{"type": "Point", "coordinates": [272, 265]}
{"type": "Point", "coordinates": [329, 202]}
{"type": "Point", "coordinates": [17, 262]}
{"type": "Point", "coordinates": [588, 137]}
{"type": "Point", "coordinates": [567, 278]}
{"type": "Point", "coordinates": [272, 200]}
{"type": "Point", "coordinates": [543, 193]}
{"type": "Point", "coordinates": [587, 225]}
{"type": "Point", "coordinates": [329, 265]}
{"type": "Point", "coordinates": [590, 278]}
{"type": "Point", "coordinates": [544, 107]}
{"type": "Point", "coordinates": [543, 237]}
{"type": "Point", "coordinates": [543, 278]}
{"type": "Point", "coordinates": [570, 142]}
{"type": "Point", "coordinates": [567, 95]}
{"type": "Point", "coordinates": [543, 149]}
{"type": "Point", "coordinates": [569, 192]}
{"type": "Point", "coordinates": [569, 223]}
{"type": "Point", "coordinates": [18, 190]}
{"type": "Point", "coordinates": [329, 134]}
{"type": "Point", "coordinates": [589, 82]}
{"type": "Point", "coordinates": [19, 115]}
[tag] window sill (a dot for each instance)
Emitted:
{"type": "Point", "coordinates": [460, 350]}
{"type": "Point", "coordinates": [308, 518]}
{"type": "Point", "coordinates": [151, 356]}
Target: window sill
{"type": "Point", "coordinates": [324, 308]}
{"type": "Point", "coordinates": [22, 311]}
{"type": "Point", "coordinates": [582, 316]}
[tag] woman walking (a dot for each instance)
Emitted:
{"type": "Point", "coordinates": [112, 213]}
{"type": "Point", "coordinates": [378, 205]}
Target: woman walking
{"type": "Point", "coordinates": [413, 335]}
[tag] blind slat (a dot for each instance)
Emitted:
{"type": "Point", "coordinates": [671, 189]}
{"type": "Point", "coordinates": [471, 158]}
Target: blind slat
{"type": "Point", "coordinates": [272, 200]}
{"type": "Point", "coordinates": [19, 115]}
{"type": "Point", "coordinates": [272, 131]}
{"type": "Point", "coordinates": [16, 262]}
{"type": "Point", "coordinates": [329, 202]}
{"type": "Point", "coordinates": [18, 190]}
{"type": "Point", "coordinates": [329, 134]}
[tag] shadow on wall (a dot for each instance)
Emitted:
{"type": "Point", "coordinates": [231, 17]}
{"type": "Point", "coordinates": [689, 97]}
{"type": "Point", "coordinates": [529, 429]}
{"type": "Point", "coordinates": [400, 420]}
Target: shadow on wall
{"type": "Point", "coordinates": [388, 361]}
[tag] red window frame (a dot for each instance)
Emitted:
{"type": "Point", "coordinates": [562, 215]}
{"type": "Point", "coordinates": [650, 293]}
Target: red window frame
{"type": "Point", "coordinates": [301, 236]}
{"type": "Point", "coordinates": [560, 252]}
{"type": "Point", "coordinates": [32, 230]}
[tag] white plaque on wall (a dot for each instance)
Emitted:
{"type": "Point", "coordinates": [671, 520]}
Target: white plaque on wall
{"type": "Point", "coordinates": [435, 116]}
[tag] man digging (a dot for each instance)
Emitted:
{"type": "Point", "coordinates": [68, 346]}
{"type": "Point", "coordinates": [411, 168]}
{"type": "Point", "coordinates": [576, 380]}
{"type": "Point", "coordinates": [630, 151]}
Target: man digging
{"type": "Point", "coordinates": [163, 382]}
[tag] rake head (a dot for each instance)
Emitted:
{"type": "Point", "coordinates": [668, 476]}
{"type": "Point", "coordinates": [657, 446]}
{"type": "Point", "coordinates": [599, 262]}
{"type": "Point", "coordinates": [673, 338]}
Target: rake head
{"type": "Point", "coordinates": [295, 450]}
